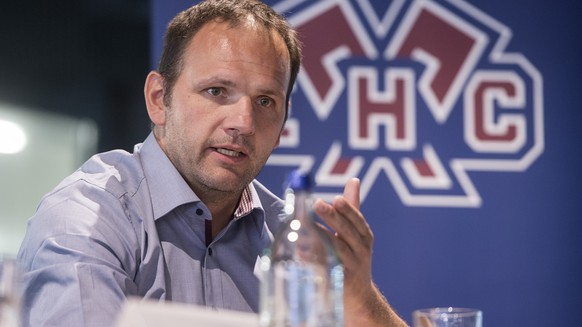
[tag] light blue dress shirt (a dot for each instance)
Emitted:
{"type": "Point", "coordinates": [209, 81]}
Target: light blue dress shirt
{"type": "Point", "coordinates": [127, 224]}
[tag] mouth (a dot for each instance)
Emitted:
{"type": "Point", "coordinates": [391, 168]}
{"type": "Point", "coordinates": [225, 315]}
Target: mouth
{"type": "Point", "coordinates": [229, 153]}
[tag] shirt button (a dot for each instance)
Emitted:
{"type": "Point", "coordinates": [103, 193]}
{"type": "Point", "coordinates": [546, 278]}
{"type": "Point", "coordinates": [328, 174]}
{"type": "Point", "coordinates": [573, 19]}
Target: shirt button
{"type": "Point", "coordinates": [199, 212]}
{"type": "Point", "coordinates": [210, 251]}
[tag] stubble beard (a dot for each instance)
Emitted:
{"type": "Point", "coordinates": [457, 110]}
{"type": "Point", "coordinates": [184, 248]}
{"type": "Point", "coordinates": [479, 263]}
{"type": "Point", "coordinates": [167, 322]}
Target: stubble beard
{"type": "Point", "coordinates": [206, 179]}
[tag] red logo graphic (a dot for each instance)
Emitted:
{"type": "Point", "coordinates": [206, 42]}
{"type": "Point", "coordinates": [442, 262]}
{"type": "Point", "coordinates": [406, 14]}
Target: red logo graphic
{"type": "Point", "coordinates": [420, 97]}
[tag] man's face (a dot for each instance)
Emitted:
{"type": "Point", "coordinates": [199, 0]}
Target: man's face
{"type": "Point", "coordinates": [227, 106]}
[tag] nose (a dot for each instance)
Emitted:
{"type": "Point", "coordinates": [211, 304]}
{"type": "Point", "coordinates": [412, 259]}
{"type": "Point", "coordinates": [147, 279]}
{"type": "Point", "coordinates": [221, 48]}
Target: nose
{"type": "Point", "coordinates": [240, 118]}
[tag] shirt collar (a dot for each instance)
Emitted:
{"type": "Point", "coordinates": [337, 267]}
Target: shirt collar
{"type": "Point", "coordinates": [167, 187]}
{"type": "Point", "coordinates": [245, 205]}
{"type": "Point", "coordinates": [257, 215]}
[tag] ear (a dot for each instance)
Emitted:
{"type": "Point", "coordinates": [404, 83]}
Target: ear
{"type": "Point", "coordinates": [154, 98]}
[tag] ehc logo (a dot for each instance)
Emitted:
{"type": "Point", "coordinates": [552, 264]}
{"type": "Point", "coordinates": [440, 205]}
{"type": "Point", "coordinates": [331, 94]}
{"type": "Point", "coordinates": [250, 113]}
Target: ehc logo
{"type": "Point", "coordinates": [418, 97]}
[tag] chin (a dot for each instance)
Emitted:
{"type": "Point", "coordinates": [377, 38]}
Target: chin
{"type": "Point", "coordinates": [228, 182]}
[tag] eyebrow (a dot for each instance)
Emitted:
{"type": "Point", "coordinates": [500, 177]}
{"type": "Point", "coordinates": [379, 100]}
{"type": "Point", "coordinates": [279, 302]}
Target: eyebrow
{"type": "Point", "coordinates": [217, 80]}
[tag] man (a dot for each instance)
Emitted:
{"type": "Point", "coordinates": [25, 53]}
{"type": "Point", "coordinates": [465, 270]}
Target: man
{"type": "Point", "coordinates": [182, 218]}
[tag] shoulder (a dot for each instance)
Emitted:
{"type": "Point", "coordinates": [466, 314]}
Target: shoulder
{"type": "Point", "coordinates": [97, 189]}
{"type": "Point", "coordinates": [85, 216]}
{"type": "Point", "coordinates": [91, 200]}
{"type": "Point", "coordinates": [116, 172]}
{"type": "Point", "coordinates": [105, 177]}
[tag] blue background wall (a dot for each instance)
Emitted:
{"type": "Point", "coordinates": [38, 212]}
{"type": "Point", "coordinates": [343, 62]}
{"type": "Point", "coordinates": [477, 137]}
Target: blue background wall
{"type": "Point", "coordinates": [515, 251]}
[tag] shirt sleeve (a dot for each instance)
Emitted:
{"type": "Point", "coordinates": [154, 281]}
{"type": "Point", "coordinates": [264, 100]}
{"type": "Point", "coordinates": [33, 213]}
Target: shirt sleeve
{"type": "Point", "coordinates": [79, 258]}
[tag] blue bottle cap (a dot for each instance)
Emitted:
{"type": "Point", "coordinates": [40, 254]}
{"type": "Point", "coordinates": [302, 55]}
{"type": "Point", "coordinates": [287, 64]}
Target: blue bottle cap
{"type": "Point", "coordinates": [300, 180]}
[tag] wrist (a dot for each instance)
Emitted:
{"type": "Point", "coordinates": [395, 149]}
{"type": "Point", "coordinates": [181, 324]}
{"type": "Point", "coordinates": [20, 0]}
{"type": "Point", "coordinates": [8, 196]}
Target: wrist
{"type": "Point", "coordinates": [374, 311]}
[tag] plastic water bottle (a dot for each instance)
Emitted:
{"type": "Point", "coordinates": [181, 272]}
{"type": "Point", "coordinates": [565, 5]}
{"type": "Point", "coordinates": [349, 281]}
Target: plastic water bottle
{"type": "Point", "coordinates": [302, 275]}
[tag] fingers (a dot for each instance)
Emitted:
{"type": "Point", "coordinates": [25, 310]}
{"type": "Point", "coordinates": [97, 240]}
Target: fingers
{"type": "Point", "coordinates": [352, 192]}
{"type": "Point", "coordinates": [353, 240]}
{"type": "Point", "coordinates": [354, 218]}
{"type": "Point", "coordinates": [344, 217]}
{"type": "Point", "coordinates": [339, 245]}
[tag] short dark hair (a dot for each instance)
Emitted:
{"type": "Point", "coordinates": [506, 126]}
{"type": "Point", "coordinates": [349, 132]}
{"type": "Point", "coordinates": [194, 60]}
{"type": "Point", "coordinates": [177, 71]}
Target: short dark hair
{"type": "Point", "coordinates": [188, 22]}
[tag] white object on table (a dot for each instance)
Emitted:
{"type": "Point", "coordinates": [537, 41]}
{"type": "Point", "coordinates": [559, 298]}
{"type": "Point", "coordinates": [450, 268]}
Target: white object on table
{"type": "Point", "coordinates": [143, 313]}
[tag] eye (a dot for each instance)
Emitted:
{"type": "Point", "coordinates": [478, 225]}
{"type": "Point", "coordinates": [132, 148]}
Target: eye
{"type": "Point", "coordinates": [265, 102]}
{"type": "Point", "coordinates": [214, 91]}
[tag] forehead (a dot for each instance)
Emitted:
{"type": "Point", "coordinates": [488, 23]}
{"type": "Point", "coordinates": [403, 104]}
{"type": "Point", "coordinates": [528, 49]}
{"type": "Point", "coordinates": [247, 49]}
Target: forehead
{"type": "Point", "coordinates": [249, 44]}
